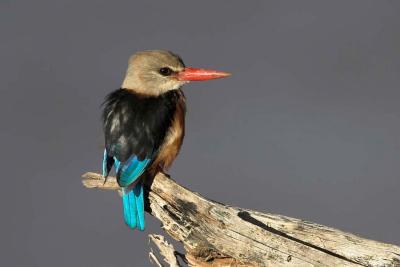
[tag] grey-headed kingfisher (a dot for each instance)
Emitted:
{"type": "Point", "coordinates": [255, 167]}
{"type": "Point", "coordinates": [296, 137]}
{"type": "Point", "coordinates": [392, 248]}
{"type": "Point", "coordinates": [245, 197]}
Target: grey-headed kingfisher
{"type": "Point", "coordinates": [144, 122]}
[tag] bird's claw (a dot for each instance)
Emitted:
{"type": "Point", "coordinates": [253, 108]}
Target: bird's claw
{"type": "Point", "coordinates": [105, 179]}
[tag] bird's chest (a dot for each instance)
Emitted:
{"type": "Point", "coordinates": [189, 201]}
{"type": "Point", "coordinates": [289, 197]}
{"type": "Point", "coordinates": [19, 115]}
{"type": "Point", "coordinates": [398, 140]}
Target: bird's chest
{"type": "Point", "coordinates": [174, 137]}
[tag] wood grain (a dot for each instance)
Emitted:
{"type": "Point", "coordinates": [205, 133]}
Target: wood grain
{"type": "Point", "coordinates": [215, 234]}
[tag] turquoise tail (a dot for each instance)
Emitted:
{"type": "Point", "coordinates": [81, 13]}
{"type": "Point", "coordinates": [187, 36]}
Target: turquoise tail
{"type": "Point", "coordinates": [133, 203]}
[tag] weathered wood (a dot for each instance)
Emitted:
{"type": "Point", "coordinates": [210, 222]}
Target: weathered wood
{"type": "Point", "coordinates": [215, 234]}
{"type": "Point", "coordinates": [166, 250]}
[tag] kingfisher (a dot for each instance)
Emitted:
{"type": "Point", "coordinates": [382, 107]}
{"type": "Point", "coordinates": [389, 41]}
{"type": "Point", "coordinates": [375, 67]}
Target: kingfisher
{"type": "Point", "coordinates": [144, 123]}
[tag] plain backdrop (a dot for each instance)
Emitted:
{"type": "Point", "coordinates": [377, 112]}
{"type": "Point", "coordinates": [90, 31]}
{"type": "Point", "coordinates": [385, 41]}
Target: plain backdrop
{"type": "Point", "coordinates": [307, 126]}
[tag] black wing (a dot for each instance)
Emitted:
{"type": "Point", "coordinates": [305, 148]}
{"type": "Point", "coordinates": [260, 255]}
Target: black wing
{"type": "Point", "coordinates": [136, 125]}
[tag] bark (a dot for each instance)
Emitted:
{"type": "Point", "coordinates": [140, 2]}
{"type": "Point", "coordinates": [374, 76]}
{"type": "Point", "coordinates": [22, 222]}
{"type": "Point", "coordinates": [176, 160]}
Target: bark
{"type": "Point", "coordinates": [214, 234]}
{"type": "Point", "coordinates": [167, 251]}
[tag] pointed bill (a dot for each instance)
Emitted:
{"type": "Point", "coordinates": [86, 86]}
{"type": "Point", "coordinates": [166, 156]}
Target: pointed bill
{"type": "Point", "coordinates": [193, 74]}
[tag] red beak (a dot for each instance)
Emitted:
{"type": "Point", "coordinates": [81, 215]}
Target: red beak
{"type": "Point", "coordinates": [192, 74]}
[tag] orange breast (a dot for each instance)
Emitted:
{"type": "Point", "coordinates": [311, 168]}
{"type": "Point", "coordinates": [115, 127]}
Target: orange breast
{"type": "Point", "coordinates": [173, 140]}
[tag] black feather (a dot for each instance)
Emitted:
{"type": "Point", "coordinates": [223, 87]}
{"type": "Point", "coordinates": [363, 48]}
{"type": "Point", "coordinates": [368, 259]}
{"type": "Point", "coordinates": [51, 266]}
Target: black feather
{"type": "Point", "coordinates": [135, 124]}
{"type": "Point", "coordinates": [109, 164]}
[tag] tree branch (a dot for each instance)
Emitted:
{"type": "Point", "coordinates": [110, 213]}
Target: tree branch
{"type": "Point", "coordinates": [166, 250]}
{"type": "Point", "coordinates": [215, 234]}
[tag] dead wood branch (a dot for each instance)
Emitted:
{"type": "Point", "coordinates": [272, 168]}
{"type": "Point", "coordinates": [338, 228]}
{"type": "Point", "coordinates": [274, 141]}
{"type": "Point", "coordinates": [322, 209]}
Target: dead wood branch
{"type": "Point", "coordinates": [215, 234]}
{"type": "Point", "coordinates": [166, 250]}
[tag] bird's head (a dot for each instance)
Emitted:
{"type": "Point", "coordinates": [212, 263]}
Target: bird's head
{"type": "Point", "coordinates": [155, 72]}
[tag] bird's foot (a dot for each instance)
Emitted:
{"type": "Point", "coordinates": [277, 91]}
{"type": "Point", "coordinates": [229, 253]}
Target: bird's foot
{"type": "Point", "coordinates": [105, 179]}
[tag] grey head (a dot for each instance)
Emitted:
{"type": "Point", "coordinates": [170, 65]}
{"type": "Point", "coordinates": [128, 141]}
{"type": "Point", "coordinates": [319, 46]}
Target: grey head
{"type": "Point", "coordinates": [153, 72]}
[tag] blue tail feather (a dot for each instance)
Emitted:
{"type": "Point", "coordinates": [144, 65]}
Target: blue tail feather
{"type": "Point", "coordinates": [133, 204]}
{"type": "Point", "coordinates": [132, 197]}
{"type": "Point", "coordinates": [129, 206]}
{"type": "Point", "coordinates": [139, 205]}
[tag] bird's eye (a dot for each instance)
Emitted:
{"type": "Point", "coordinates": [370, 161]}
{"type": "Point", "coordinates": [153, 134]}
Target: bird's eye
{"type": "Point", "coordinates": [165, 71]}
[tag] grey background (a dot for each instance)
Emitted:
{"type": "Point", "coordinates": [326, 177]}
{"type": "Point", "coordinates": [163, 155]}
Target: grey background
{"type": "Point", "coordinates": [307, 126]}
